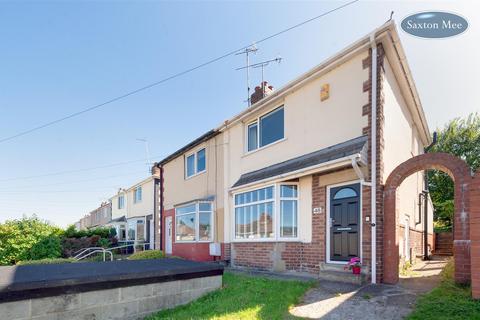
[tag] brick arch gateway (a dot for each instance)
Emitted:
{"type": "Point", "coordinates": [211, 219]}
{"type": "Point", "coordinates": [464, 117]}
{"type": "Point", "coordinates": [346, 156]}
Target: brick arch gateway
{"type": "Point", "coordinates": [466, 232]}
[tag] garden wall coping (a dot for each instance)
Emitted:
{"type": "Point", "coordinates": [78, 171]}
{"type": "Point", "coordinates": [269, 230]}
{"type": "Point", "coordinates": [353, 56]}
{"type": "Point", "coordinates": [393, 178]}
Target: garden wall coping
{"type": "Point", "coordinates": [36, 281]}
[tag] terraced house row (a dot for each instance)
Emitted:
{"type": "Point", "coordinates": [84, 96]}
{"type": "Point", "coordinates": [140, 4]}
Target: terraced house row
{"type": "Point", "coordinates": [294, 182]}
{"type": "Point", "coordinates": [129, 211]}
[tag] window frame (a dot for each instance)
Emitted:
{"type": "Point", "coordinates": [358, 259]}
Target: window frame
{"type": "Point", "coordinates": [122, 206]}
{"type": "Point", "coordinates": [135, 200]}
{"type": "Point", "coordinates": [280, 199]}
{"type": "Point", "coordinates": [195, 163]}
{"type": "Point", "coordinates": [276, 213]}
{"type": "Point", "coordinates": [256, 122]}
{"type": "Point", "coordinates": [197, 222]}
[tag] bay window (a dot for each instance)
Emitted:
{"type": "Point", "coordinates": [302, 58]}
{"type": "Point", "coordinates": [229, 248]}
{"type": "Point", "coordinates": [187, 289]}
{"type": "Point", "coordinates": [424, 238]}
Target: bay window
{"type": "Point", "coordinates": [267, 213]}
{"type": "Point", "coordinates": [194, 222]}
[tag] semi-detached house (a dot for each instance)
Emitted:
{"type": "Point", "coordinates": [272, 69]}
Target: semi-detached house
{"type": "Point", "coordinates": [290, 183]}
{"type": "Point", "coordinates": [132, 213]}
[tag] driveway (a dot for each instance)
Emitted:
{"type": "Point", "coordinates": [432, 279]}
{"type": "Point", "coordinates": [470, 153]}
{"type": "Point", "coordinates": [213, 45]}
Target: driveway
{"type": "Point", "coordinates": [333, 300]}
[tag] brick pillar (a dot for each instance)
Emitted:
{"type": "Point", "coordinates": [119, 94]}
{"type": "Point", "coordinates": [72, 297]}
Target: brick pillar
{"type": "Point", "coordinates": [367, 111]}
{"type": "Point", "coordinates": [475, 235]}
{"type": "Point", "coordinates": [390, 237]}
{"type": "Point", "coordinates": [461, 229]}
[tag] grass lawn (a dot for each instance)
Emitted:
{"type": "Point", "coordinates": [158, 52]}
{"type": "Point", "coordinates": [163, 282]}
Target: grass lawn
{"type": "Point", "coordinates": [242, 297]}
{"type": "Point", "coordinates": [447, 301]}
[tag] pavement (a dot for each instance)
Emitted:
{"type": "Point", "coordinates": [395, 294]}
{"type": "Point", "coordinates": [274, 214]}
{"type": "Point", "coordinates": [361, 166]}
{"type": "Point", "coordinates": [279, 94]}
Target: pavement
{"type": "Point", "coordinates": [334, 300]}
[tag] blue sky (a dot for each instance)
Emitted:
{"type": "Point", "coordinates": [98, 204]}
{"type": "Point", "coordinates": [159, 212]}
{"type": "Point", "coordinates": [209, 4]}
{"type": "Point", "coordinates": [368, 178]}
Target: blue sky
{"type": "Point", "coordinates": [60, 57]}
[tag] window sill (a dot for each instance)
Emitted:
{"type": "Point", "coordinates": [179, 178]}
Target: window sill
{"type": "Point", "coordinates": [268, 240]}
{"type": "Point", "coordinates": [247, 153]}
{"type": "Point", "coordinates": [337, 262]}
{"type": "Point", "coordinates": [190, 242]}
{"type": "Point", "coordinates": [195, 175]}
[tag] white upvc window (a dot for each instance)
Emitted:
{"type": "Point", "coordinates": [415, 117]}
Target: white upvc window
{"type": "Point", "coordinates": [265, 130]}
{"type": "Point", "coordinates": [121, 202]}
{"type": "Point", "coordinates": [137, 196]}
{"type": "Point", "coordinates": [194, 222]}
{"type": "Point", "coordinates": [269, 213]}
{"type": "Point", "coordinates": [195, 163]}
{"type": "Point", "coordinates": [288, 211]}
{"type": "Point", "coordinates": [136, 229]}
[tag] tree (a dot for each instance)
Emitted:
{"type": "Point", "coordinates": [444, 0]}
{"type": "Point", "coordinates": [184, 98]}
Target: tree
{"type": "Point", "coordinates": [28, 238]}
{"type": "Point", "coordinates": [460, 137]}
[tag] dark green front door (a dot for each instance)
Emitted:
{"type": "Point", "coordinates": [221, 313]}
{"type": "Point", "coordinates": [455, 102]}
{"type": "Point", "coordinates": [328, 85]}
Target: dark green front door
{"type": "Point", "coordinates": [345, 222]}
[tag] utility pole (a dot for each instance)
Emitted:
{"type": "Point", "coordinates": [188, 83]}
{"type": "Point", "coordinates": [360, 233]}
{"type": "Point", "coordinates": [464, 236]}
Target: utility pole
{"type": "Point", "coordinates": [147, 152]}
{"type": "Point", "coordinates": [246, 52]}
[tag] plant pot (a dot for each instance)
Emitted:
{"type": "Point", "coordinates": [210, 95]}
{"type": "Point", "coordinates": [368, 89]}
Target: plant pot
{"type": "Point", "coordinates": [356, 270]}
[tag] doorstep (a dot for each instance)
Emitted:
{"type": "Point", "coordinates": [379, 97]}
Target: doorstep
{"type": "Point", "coordinates": [336, 272]}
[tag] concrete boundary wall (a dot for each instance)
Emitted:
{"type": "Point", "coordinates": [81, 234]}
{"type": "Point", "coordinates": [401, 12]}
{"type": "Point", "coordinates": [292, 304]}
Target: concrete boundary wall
{"type": "Point", "coordinates": [103, 290]}
{"type": "Point", "coordinates": [133, 302]}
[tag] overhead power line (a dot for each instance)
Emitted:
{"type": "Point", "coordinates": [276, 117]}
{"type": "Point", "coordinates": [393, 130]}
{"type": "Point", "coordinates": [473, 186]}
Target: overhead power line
{"type": "Point", "coordinates": [35, 186]}
{"type": "Point", "coordinates": [171, 77]}
{"type": "Point", "coordinates": [58, 173]}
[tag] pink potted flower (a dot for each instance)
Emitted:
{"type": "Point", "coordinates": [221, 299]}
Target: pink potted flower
{"type": "Point", "coordinates": [355, 265]}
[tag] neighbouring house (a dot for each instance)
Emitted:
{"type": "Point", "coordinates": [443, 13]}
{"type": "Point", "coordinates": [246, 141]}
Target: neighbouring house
{"type": "Point", "coordinates": [192, 199]}
{"type": "Point", "coordinates": [96, 218]}
{"type": "Point", "coordinates": [101, 215]}
{"type": "Point", "coordinates": [119, 214]}
{"type": "Point", "coordinates": [132, 213]}
{"type": "Point", "coordinates": [83, 223]}
{"type": "Point", "coordinates": [294, 182]}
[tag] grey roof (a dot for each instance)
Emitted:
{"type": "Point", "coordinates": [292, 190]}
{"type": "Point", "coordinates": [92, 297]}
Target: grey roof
{"type": "Point", "coordinates": [193, 144]}
{"type": "Point", "coordinates": [207, 198]}
{"type": "Point", "coordinates": [341, 150]}
{"type": "Point", "coordinates": [119, 219]}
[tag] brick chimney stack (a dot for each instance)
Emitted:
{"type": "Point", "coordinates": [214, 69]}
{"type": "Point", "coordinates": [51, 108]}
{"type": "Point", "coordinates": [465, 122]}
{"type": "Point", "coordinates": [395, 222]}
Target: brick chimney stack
{"type": "Point", "coordinates": [261, 92]}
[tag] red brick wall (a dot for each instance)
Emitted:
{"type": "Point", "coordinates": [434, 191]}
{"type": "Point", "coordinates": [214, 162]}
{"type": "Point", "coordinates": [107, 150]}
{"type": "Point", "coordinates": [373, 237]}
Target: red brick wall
{"type": "Point", "coordinates": [226, 251]}
{"type": "Point", "coordinates": [475, 236]}
{"type": "Point", "coordinates": [366, 229]}
{"type": "Point", "coordinates": [255, 255]}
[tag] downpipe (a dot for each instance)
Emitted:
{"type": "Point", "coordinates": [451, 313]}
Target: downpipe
{"type": "Point", "coordinates": [373, 166]}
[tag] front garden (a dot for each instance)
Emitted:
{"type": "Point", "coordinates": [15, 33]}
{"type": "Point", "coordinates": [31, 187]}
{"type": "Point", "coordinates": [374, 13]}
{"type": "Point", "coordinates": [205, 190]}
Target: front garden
{"type": "Point", "coordinates": [447, 301]}
{"type": "Point", "coordinates": [243, 297]}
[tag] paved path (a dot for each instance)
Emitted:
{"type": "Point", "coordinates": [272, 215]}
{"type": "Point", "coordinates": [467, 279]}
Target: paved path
{"type": "Point", "coordinates": [333, 300]}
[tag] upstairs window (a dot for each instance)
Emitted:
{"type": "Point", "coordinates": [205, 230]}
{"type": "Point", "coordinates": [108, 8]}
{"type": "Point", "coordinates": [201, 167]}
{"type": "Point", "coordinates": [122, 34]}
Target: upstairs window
{"type": "Point", "coordinates": [195, 163]}
{"type": "Point", "coordinates": [138, 195]}
{"type": "Point", "coordinates": [266, 129]}
{"type": "Point", "coordinates": [121, 202]}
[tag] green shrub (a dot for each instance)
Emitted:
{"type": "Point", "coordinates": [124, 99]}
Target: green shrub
{"type": "Point", "coordinates": [102, 232]}
{"type": "Point", "coordinates": [149, 254]}
{"type": "Point", "coordinates": [47, 248]}
{"type": "Point", "coordinates": [26, 239]}
{"type": "Point", "coordinates": [72, 245]}
{"type": "Point", "coordinates": [104, 243]}
{"type": "Point", "coordinates": [46, 261]}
